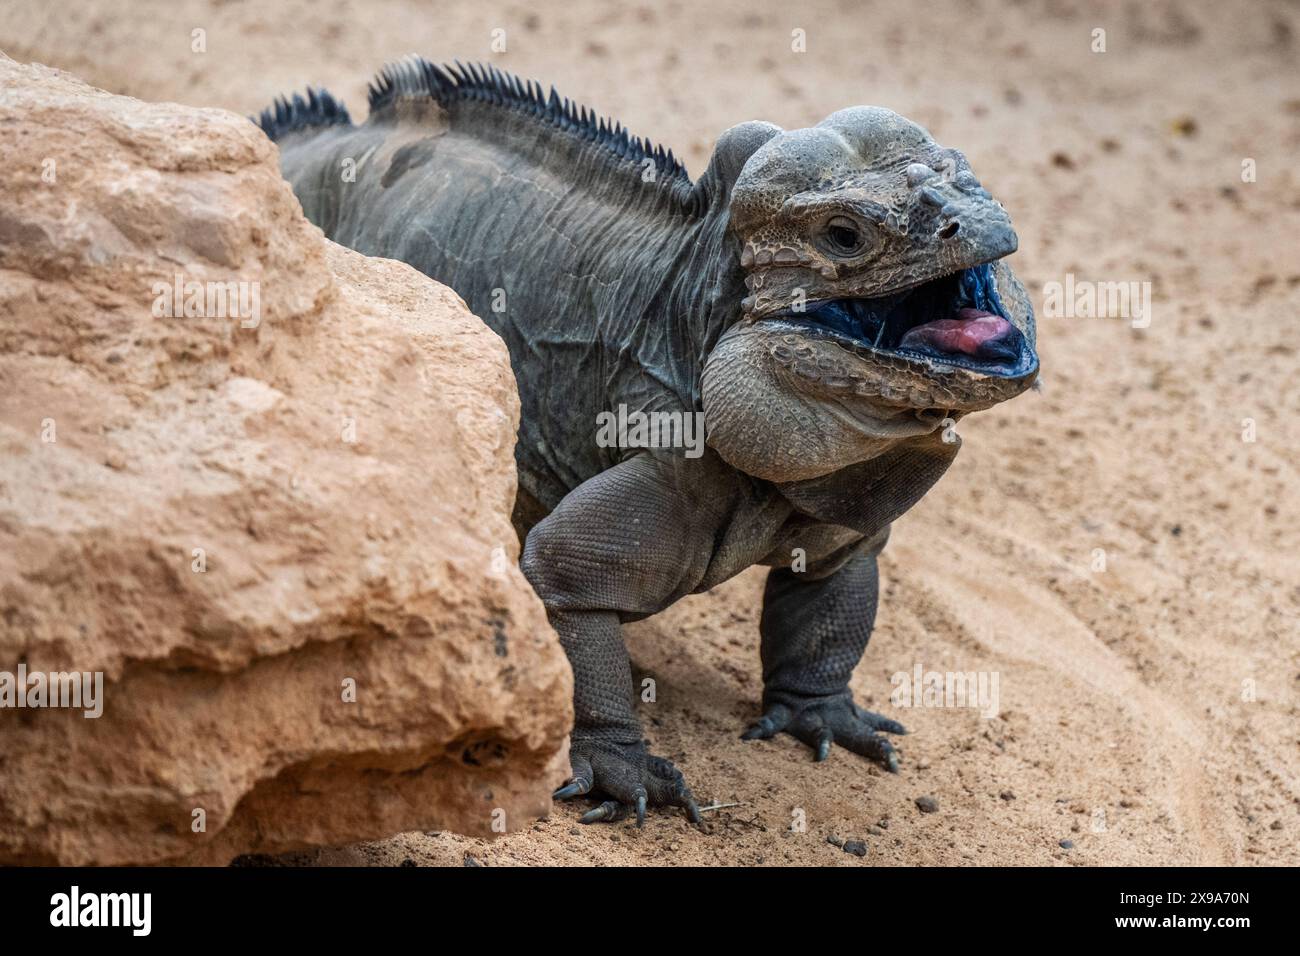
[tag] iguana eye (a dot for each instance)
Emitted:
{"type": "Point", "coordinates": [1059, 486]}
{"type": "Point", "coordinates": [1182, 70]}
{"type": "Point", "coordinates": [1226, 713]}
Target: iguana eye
{"type": "Point", "coordinates": [843, 236]}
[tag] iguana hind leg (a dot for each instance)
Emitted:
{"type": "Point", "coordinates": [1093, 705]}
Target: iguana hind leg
{"type": "Point", "coordinates": [815, 627]}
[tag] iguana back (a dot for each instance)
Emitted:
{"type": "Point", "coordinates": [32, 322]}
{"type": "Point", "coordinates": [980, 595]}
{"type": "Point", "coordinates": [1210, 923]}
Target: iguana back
{"type": "Point", "coordinates": [590, 252]}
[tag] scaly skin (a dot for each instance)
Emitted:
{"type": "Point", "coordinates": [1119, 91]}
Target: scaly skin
{"type": "Point", "coordinates": [614, 281]}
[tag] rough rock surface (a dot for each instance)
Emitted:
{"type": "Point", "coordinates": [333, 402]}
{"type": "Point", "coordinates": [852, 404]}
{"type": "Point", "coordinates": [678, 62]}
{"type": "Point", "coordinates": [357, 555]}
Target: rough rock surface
{"type": "Point", "coordinates": [233, 515]}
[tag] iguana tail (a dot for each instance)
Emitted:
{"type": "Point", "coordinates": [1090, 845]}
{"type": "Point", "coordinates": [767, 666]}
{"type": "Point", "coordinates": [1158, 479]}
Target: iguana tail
{"type": "Point", "coordinates": [287, 115]}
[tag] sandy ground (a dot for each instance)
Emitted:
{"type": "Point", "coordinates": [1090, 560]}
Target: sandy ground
{"type": "Point", "coordinates": [1147, 710]}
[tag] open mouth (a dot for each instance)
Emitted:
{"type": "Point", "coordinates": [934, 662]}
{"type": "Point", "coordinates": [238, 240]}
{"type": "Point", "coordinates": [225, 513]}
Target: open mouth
{"type": "Point", "coordinates": [956, 319]}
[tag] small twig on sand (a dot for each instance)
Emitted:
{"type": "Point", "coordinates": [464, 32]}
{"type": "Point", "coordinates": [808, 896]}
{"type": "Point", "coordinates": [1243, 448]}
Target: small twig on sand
{"type": "Point", "coordinates": [720, 806]}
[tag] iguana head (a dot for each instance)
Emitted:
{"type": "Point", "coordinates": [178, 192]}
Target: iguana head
{"type": "Point", "coordinates": [876, 303]}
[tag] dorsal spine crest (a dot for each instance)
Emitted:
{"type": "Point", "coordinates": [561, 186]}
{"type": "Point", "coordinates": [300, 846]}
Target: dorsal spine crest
{"type": "Point", "coordinates": [415, 76]}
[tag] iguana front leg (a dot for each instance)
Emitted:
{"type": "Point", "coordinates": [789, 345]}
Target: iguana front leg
{"type": "Point", "coordinates": [815, 627]}
{"type": "Point", "coordinates": [606, 751]}
{"type": "Point", "coordinates": [624, 544]}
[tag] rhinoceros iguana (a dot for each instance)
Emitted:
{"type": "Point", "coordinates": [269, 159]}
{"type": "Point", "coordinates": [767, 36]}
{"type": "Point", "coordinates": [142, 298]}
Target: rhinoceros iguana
{"type": "Point", "coordinates": [831, 300]}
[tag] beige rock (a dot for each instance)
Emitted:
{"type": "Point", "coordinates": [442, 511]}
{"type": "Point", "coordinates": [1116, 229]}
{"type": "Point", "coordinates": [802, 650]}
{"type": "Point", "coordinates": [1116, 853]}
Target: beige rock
{"type": "Point", "coordinates": [235, 515]}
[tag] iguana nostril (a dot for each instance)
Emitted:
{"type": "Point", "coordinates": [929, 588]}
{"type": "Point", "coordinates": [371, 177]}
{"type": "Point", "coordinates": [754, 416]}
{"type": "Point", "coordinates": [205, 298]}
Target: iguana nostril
{"type": "Point", "coordinates": [950, 230]}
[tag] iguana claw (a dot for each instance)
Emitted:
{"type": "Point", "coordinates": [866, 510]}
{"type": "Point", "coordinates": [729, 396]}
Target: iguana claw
{"type": "Point", "coordinates": [825, 737]}
{"type": "Point", "coordinates": [610, 810]}
{"type": "Point", "coordinates": [574, 788]}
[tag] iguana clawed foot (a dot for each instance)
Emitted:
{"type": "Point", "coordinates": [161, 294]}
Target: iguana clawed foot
{"type": "Point", "coordinates": [821, 721]}
{"type": "Point", "coordinates": [634, 778]}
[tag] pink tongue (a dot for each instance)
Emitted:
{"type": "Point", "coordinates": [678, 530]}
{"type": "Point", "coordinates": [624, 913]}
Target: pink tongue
{"type": "Point", "coordinates": [965, 334]}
